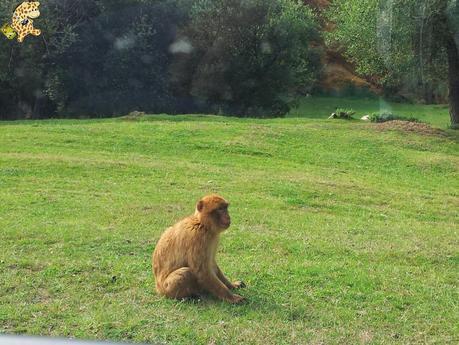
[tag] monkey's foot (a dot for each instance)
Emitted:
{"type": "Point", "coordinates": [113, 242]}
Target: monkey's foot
{"type": "Point", "coordinates": [237, 299]}
{"type": "Point", "coordinates": [238, 284]}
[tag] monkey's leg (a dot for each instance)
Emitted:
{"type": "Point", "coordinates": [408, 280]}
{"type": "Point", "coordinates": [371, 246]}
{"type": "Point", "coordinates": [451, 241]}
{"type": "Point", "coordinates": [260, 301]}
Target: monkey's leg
{"type": "Point", "coordinates": [230, 285]}
{"type": "Point", "coordinates": [222, 277]}
{"type": "Point", "coordinates": [180, 284]}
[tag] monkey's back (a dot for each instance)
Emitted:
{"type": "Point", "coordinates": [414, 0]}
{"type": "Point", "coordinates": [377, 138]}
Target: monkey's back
{"type": "Point", "coordinates": [171, 250]}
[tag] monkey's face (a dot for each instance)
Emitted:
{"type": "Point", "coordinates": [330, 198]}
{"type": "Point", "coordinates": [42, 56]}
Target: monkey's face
{"type": "Point", "coordinates": [221, 216]}
{"type": "Point", "coordinates": [213, 211]}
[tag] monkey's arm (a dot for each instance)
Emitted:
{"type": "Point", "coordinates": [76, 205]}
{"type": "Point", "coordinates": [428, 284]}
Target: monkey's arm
{"type": "Point", "coordinates": [211, 283]}
{"type": "Point", "coordinates": [222, 277]}
{"type": "Point", "coordinates": [208, 280]}
{"type": "Point", "coordinates": [235, 285]}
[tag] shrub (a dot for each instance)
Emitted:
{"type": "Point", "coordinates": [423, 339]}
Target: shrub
{"type": "Point", "coordinates": [253, 58]}
{"type": "Point", "coordinates": [94, 58]}
{"type": "Point", "coordinates": [345, 114]}
{"type": "Point", "coordinates": [118, 63]}
{"type": "Point", "coordinates": [387, 116]}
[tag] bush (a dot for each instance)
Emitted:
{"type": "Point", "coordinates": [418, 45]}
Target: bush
{"type": "Point", "coordinates": [344, 114]}
{"type": "Point", "coordinates": [104, 58]}
{"type": "Point", "coordinates": [118, 63]}
{"type": "Point", "coordinates": [94, 58]}
{"type": "Point", "coordinates": [253, 58]}
{"type": "Point", "coordinates": [385, 116]}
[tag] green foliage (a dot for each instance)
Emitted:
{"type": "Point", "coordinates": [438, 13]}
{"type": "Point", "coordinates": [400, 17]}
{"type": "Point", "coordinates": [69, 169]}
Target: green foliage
{"type": "Point", "coordinates": [118, 61]}
{"type": "Point", "coordinates": [343, 114]}
{"type": "Point", "coordinates": [397, 44]}
{"type": "Point", "coordinates": [103, 58]}
{"type": "Point", "coordinates": [385, 116]}
{"type": "Point", "coordinates": [21, 71]}
{"type": "Point", "coordinates": [253, 58]}
{"type": "Point", "coordinates": [94, 58]}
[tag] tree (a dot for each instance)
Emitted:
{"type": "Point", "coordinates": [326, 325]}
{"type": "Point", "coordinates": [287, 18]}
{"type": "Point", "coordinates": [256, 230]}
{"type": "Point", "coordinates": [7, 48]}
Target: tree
{"type": "Point", "coordinates": [93, 58]}
{"type": "Point", "coordinates": [451, 29]}
{"type": "Point", "coordinates": [402, 44]}
{"type": "Point", "coordinates": [21, 73]}
{"type": "Point", "coordinates": [252, 58]}
{"type": "Point", "coordinates": [113, 61]}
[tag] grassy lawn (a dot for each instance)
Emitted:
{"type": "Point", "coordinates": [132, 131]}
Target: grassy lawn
{"type": "Point", "coordinates": [343, 233]}
{"type": "Point", "coordinates": [321, 107]}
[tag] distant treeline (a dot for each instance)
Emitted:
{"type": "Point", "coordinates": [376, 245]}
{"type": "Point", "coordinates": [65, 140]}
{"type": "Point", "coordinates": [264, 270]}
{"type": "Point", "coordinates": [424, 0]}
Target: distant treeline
{"type": "Point", "coordinates": [239, 57]}
{"type": "Point", "coordinates": [106, 58]}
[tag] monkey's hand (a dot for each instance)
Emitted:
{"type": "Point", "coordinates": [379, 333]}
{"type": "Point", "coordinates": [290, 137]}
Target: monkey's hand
{"type": "Point", "coordinates": [238, 284]}
{"type": "Point", "coordinates": [236, 299]}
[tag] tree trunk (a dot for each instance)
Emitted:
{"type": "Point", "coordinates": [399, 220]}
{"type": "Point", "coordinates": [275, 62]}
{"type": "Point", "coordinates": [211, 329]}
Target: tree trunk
{"type": "Point", "coordinates": [453, 81]}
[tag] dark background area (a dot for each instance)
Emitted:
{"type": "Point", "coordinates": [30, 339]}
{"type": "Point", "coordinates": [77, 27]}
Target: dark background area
{"type": "Point", "coordinates": [245, 58]}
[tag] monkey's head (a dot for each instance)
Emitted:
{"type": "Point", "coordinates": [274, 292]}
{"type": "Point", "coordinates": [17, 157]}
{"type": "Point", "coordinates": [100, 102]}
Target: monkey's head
{"type": "Point", "coordinates": [212, 212]}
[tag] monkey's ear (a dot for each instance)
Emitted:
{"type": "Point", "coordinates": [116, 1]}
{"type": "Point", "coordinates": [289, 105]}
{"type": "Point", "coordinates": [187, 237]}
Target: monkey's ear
{"type": "Point", "coordinates": [200, 205]}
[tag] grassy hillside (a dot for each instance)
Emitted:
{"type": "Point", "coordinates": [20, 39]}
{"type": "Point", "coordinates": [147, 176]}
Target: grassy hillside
{"type": "Point", "coordinates": [321, 107]}
{"type": "Point", "coordinates": [343, 233]}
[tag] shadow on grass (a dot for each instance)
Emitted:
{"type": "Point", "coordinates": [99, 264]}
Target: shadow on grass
{"type": "Point", "coordinates": [254, 305]}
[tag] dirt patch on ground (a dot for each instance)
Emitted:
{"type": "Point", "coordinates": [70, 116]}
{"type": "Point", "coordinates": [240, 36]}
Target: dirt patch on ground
{"type": "Point", "coordinates": [339, 74]}
{"type": "Point", "coordinates": [406, 126]}
{"type": "Point", "coordinates": [337, 77]}
{"type": "Point", "coordinates": [320, 4]}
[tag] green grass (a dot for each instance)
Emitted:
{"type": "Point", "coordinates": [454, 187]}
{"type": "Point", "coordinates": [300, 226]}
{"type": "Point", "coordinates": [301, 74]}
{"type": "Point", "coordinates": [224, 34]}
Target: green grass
{"type": "Point", "coordinates": [321, 107]}
{"type": "Point", "coordinates": [343, 233]}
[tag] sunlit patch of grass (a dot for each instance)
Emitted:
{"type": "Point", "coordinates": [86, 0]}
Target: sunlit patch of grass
{"type": "Point", "coordinates": [343, 234]}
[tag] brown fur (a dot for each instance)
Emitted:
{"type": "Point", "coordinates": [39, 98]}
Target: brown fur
{"type": "Point", "coordinates": [184, 259]}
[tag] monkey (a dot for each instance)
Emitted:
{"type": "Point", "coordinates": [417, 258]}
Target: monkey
{"type": "Point", "coordinates": [183, 260]}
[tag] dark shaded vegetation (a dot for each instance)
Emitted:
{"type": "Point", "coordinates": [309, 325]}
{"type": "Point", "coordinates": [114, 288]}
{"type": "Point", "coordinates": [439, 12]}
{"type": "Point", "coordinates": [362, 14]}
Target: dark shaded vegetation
{"type": "Point", "coordinates": [233, 57]}
{"type": "Point", "coordinates": [105, 58]}
{"type": "Point", "coordinates": [385, 117]}
{"type": "Point", "coordinates": [252, 58]}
